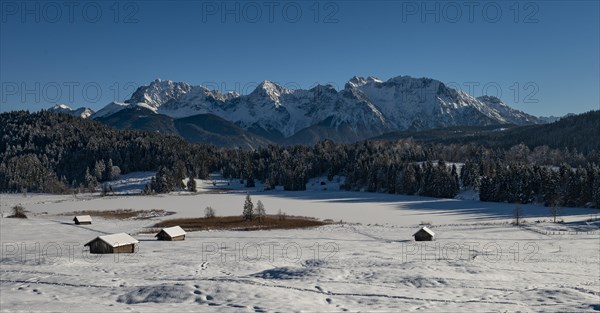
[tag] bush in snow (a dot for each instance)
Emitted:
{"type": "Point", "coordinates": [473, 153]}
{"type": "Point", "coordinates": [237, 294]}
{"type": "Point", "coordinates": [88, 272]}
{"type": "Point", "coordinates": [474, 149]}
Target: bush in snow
{"type": "Point", "coordinates": [209, 212]}
{"type": "Point", "coordinates": [18, 212]}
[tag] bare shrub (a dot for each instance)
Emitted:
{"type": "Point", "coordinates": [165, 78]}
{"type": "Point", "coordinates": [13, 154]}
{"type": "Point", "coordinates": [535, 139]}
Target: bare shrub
{"type": "Point", "coordinates": [18, 211]}
{"type": "Point", "coordinates": [281, 215]}
{"type": "Point", "coordinates": [261, 212]}
{"type": "Point", "coordinates": [209, 212]}
{"type": "Point", "coordinates": [518, 215]}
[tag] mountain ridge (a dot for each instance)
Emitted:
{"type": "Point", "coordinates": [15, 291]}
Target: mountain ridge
{"type": "Point", "coordinates": [82, 112]}
{"type": "Point", "coordinates": [366, 107]}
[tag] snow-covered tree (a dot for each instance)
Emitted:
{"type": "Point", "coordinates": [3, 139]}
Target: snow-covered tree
{"type": "Point", "coordinates": [191, 185]}
{"type": "Point", "coordinates": [261, 213]}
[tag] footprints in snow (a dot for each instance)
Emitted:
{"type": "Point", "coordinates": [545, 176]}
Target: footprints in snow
{"type": "Point", "coordinates": [329, 300]}
{"type": "Point", "coordinates": [204, 298]}
{"type": "Point", "coordinates": [201, 297]}
{"type": "Point", "coordinates": [25, 288]}
{"type": "Point", "coordinates": [202, 267]}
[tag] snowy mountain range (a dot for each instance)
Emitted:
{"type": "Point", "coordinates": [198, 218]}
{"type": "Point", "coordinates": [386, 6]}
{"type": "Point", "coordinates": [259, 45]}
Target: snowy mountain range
{"type": "Point", "coordinates": [80, 112]}
{"type": "Point", "coordinates": [365, 108]}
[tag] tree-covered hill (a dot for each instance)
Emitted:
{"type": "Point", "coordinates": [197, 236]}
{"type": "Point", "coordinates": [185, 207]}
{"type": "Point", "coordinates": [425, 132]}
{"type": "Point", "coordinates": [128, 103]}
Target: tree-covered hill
{"type": "Point", "coordinates": [49, 152]}
{"type": "Point", "coordinates": [46, 151]}
{"type": "Point", "coordinates": [580, 132]}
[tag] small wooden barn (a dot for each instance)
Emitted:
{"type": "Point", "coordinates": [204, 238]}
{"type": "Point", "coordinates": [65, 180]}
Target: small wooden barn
{"type": "Point", "coordinates": [115, 243]}
{"type": "Point", "coordinates": [82, 219]}
{"type": "Point", "coordinates": [424, 234]}
{"type": "Point", "coordinates": [171, 234]}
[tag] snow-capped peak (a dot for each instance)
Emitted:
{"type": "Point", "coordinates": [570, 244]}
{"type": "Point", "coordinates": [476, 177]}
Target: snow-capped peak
{"type": "Point", "coordinates": [159, 92]}
{"type": "Point", "coordinates": [271, 91]}
{"type": "Point", "coordinates": [358, 81]}
{"type": "Point", "coordinates": [491, 100]}
{"type": "Point", "coordinates": [272, 87]}
{"type": "Point", "coordinates": [373, 79]}
{"type": "Point", "coordinates": [367, 106]}
{"type": "Point", "coordinates": [231, 94]}
{"type": "Point", "coordinates": [61, 106]}
{"type": "Point", "coordinates": [66, 109]}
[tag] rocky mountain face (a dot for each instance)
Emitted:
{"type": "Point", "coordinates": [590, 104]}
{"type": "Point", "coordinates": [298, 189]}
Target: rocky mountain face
{"type": "Point", "coordinates": [365, 108]}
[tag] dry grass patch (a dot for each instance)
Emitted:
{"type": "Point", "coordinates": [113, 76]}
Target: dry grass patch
{"type": "Point", "coordinates": [238, 223]}
{"type": "Point", "coordinates": [149, 231]}
{"type": "Point", "coordinates": [123, 213]}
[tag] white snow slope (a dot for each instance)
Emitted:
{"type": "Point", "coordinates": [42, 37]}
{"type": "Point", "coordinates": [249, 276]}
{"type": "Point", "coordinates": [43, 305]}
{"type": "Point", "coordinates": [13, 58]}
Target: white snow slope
{"type": "Point", "coordinates": [479, 262]}
{"type": "Point", "coordinates": [80, 112]}
{"type": "Point", "coordinates": [366, 106]}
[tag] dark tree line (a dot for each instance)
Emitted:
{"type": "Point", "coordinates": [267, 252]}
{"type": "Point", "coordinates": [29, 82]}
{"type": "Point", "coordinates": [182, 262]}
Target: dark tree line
{"type": "Point", "coordinates": [405, 167]}
{"type": "Point", "coordinates": [520, 183]}
{"type": "Point", "coordinates": [46, 152]}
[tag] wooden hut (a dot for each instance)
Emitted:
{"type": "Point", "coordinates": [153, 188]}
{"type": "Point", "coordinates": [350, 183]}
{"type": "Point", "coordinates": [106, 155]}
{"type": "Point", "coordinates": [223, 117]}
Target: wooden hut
{"type": "Point", "coordinates": [82, 219]}
{"type": "Point", "coordinates": [171, 234]}
{"type": "Point", "coordinates": [115, 243]}
{"type": "Point", "coordinates": [424, 234]}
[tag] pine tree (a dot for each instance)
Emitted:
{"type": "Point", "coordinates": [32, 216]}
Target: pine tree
{"type": "Point", "coordinates": [468, 174]}
{"type": "Point", "coordinates": [248, 212]}
{"type": "Point", "coordinates": [99, 170]}
{"type": "Point", "coordinates": [549, 181]}
{"type": "Point", "coordinates": [596, 191]}
{"type": "Point", "coordinates": [178, 175]}
{"type": "Point", "coordinates": [163, 182]}
{"type": "Point", "coordinates": [430, 184]}
{"type": "Point", "coordinates": [191, 185]}
{"type": "Point", "coordinates": [455, 187]}
{"type": "Point", "coordinates": [111, 172]}
{"type": "Point", "coordinates": [486, 189]}
{"type": "Point", "coordinates": [330, 174]}
{"type": "Point", "coordinates": [586, 178]}
{"type": "Point", "coordinates": [573, 189]}
{"type": "Point", "coordinates": [90, 181]}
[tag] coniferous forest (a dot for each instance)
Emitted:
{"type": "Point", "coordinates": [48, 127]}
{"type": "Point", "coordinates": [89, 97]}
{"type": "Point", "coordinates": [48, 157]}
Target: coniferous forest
{"type": "Point", "coordinates": [59, 153]}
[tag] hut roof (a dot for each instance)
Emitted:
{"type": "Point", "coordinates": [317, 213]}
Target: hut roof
{"type": "Point", "coordinates": [116, 240]}
{"type": "Point", "coordinates": [174, 231]}
{"type": "Point", "coordinates": [426, 229]}
{"type": "Point", "coordinates": [83, 218]}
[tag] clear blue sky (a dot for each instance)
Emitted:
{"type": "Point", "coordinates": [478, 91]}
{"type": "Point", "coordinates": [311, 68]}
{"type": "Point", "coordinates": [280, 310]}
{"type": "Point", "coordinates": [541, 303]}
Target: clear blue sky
{"type": "Point", "coordinates": [544, 56]}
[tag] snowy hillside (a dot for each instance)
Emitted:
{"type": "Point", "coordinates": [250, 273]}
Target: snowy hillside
{"type": "Point", "coordinates": [80, 112]}
{"type": "Point", "coordinates": [115, 107]}
{"type": "Point", "coordinates": [365, 108]}
{"type": "Point", "coordinates": [425, 103]}
{"type": "Point", "coordinates": [478, 261]}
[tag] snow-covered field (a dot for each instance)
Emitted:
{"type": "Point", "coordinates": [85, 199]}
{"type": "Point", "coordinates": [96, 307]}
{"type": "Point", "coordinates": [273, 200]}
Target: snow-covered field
{"type": "Point", "coordinates": [478, 262]}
